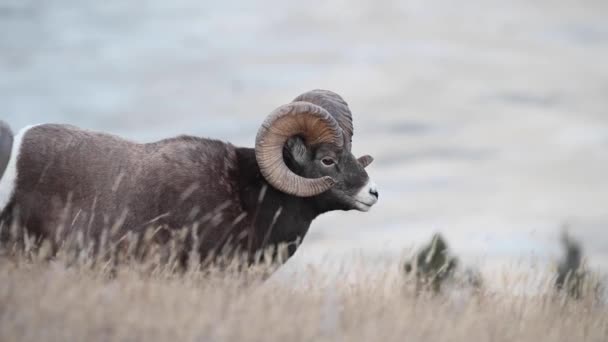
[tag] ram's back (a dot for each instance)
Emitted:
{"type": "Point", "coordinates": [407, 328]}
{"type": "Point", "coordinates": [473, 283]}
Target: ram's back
{"type": "Point", "coordinates": [66, 175]}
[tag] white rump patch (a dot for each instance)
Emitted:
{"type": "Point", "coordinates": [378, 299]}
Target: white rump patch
{"type": "Point", "coordinates": [9, 179]}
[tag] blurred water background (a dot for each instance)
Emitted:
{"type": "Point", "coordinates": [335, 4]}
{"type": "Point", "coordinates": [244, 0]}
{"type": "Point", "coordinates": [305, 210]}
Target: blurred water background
{"type": "Point", "coordinates": [488, 119]}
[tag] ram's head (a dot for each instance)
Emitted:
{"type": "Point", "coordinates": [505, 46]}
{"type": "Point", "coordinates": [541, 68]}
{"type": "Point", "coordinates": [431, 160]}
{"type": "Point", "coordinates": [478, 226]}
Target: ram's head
{"type": "Point", "coordinates": [304, 149]}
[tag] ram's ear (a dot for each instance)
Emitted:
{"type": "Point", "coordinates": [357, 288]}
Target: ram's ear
{"type": "Point", "coordinates": [297, 150]}
{"type": "Point", "coordinates": [365, 160]}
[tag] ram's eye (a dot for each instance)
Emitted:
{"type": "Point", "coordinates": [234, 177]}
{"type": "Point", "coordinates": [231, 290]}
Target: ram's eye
{"type": "Point", "coordinates": [328, 161]}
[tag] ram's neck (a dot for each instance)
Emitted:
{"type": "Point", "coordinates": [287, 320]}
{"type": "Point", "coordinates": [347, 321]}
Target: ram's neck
{"type": "Point", "coordinates": [277, 218]}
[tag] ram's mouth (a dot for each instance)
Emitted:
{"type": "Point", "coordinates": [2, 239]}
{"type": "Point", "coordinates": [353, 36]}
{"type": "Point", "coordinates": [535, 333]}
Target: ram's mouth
{"type": "Point", "coordinates": [364, 203]}
{"type": "Point", "coordinates": [363, 206]}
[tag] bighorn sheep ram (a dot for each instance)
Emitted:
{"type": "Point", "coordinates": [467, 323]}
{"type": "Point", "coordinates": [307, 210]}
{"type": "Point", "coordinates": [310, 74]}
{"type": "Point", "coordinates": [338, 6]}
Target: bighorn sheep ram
{"type": "Point", "coordinates": [301, 167]}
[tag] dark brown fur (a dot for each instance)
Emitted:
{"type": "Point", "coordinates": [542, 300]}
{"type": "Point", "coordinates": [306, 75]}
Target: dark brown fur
{"type": "Point", "coordinates": [6, 142]}
{"type": "Point", "coordinates": [71, 179]}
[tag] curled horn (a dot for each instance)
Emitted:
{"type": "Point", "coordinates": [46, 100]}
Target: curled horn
{"type": "Point", "coordinates": [337, 107]}
{"type": "Point", "coordinates": [308, 120]}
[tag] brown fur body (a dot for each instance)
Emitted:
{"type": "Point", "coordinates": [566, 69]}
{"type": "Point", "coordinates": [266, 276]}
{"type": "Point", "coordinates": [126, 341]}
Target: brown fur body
{"type": "Point", "coordinates": [6, 143]}
{"type": "Point", "coordinates": [70, 179]}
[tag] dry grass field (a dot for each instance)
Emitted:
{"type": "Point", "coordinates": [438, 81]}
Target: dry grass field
{"type": "Point", "coordinates": [487, 119]}
{"type": "Point", "coordinates": [74, 297]}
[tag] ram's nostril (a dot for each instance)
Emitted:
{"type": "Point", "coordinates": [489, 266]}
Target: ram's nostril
{"type": "Point", "coordinates": [374, 193]}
